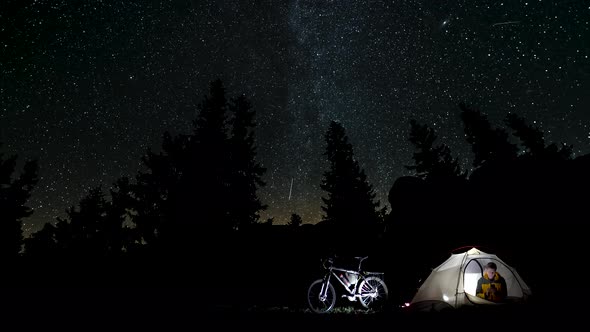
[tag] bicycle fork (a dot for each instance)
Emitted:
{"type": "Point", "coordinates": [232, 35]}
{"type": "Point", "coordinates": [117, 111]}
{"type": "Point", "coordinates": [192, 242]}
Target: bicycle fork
{"type": "Point", "coordinates": [324, 290]}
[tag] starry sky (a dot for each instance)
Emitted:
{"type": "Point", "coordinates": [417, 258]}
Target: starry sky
{"type": "Point", "coordinates": [87, 86]}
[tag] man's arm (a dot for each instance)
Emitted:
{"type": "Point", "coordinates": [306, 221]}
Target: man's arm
{"type": "Point", "coordinates": [479, 289]}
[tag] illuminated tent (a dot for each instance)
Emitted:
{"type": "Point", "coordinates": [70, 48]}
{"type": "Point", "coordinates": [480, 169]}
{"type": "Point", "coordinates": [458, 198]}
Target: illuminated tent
{"type": "Point", "coordinates": [453, 283]}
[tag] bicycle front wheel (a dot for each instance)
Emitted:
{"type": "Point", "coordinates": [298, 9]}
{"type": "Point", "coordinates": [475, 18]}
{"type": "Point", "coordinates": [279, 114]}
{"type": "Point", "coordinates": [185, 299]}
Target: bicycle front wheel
{"type": "Point", "coordinates": [373, 293]}
{"type": "Point", "coordinates": [321, 300]}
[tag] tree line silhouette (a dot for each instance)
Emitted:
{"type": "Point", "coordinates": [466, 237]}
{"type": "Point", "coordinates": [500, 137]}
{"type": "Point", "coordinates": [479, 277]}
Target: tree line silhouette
{"type": "Point", "coordinates": [195, 207]}
{"type": "Point", "coordinates": [14, 194]}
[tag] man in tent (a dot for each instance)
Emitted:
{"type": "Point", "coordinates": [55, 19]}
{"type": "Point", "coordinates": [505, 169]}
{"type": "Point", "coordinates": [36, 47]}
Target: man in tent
{"type": "Point", "coordinates": [492, 285]}
{"type": "Point", "coordinates": [458, 282]}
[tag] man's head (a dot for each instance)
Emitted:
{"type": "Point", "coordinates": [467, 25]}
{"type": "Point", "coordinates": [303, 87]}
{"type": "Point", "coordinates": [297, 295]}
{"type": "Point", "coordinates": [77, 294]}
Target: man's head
{"type": "Point", "coordinates": [490, 270]}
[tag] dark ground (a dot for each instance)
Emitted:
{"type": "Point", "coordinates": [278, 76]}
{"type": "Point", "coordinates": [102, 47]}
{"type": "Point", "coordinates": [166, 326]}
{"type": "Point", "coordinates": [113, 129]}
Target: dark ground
{"type": "Point", "coordinates": [137, 309]}
{"type": "Point", "coordinates": [254, 289]}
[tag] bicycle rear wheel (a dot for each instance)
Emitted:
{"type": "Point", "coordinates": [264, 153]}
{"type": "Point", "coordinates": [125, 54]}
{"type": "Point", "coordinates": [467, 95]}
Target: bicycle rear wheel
{"type": "Point", "coordinates": [373, 293]}
{"type": "Point", "coordinates": [318, 303]}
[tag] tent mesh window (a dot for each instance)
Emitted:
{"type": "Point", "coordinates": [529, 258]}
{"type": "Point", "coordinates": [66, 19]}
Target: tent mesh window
{"type": "Point", "coordinates": [473, 271]}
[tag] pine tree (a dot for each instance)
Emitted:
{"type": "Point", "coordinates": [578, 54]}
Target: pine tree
{"type": "Point", "coordinates": [154, 192]}
{"type": "Point", "coordinates": [245, 173]}
{"type": "Point", "coordinates": [350, 198]}
{"type": "Point", "coordinates": [117, 235]}
{"type": "Point", "coordinates": [14, 194]}
{"type": "Point", "coordinates": [184, 190]}
{"type": "Point", "coordinates": [533, 140]}
{"type": "Point", "coordinates": [83, 228]}
{"type": "Point", "coordinates": [203, 182]}
{"type": "Point", "coordinates": [488, 145]}
{"type": "Point", "coordinates": [210, 163]}
{"type": "Point", "coordinates": [42, 243]}
{"type": "Point", "coordinates": [432, 163]}
{"type": "Point", "coordinates": [269, 222]}
{"type": "Point", "coordinates": [295, 221]}
{"type": "Point", "coordinates": [93, 229]}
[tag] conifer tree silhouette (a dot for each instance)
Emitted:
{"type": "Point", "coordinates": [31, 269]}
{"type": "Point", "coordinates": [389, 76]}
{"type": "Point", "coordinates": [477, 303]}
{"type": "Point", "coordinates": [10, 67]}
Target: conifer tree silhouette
{"type": "Point", "coordinates": [93, 229]}
{"type": "Point", "coordinates": [204, 182]}
{"type": "Point", "coordinates": [14, 194]}
{"type": "Point", "coordinates": [212, 161]}
{"type": "Point", "coordinates": [43, 243]}
{"type": "Point", "coordinates": [350, 199]}
{"type": "Point", "coordinates": [185, 188]}
{"type": "Point", "coordinates": [83, 230]}
{"type": "Point", "coordinates": [295, 220]}
{"type": "Point", "coordinates": [533, 140]}
{"type": "Point", "coordinates": [245, 172]}
{"type": "Point", "coordinates": [118, 236]}
{"type": "Point", "coordinates": [269, 222]}
{"type": "Point", "coordinates": [489, 145]}
{"type": "Point", "coordinates": [154, 192]}
{"type": "Point", "coordinates": [432, 163]}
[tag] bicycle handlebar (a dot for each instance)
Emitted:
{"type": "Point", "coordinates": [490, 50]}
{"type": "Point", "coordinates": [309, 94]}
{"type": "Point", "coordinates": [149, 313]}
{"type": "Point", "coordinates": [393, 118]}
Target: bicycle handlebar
{"type": "Point", "coordinates": [330, 261]}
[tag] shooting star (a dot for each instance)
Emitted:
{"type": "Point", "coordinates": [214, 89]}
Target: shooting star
{"type": "Point", "coordinates": [505, 23]}
{"type": "Point", "coordinates": [291, 189]}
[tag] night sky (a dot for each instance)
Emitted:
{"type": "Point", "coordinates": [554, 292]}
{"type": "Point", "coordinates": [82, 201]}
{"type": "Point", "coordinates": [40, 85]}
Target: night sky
{"type": "Point", "coordinates": [87, 86]}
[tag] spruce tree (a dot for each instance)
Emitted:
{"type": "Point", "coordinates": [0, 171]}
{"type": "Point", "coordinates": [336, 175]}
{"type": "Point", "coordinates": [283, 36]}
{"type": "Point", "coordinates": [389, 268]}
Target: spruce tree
{"type": "Point", "coordinates": [117, 234]}
{"type": "Point", "coordinates": [209, 164]}
{"type": "Point", "coordinates": [432, 163]}
{"type": "Point", "coordinates": [153, 194]}
{"type": "Point", "coordinates": [93, 229]}
{"type": "Point", "coordinates": [350, 199]}
{"type": "Point", "coordinates": [14, 194]}
{"type": "Point", "coordinates": [42, 243]}
{"type": "Point", "coordinates": [295, 221]}
{"type": "Point", "coordinates": [489, 145]}
{"type": "Point", "coordinates": [83, 230]}
{"type": "Point", "coordinates": [245, 172]}
{"type": "Point", "coordinates": [533, 140]}
{"type": "Point", "coordinates": [202, 182]}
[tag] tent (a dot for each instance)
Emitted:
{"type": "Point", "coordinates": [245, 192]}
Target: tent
{"type": "Point", "coordinates": [453, 283]}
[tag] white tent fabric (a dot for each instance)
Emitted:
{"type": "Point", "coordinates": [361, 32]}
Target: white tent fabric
{"type": "Point", "coordinates": [453, 283]}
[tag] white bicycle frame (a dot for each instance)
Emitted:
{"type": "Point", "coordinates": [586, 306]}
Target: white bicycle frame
{"type": "Point", "coordinates": [354, 292]}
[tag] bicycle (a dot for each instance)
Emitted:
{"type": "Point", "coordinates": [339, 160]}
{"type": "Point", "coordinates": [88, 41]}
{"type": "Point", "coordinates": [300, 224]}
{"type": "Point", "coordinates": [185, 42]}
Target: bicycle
{"type": "Point", "coordinates": [368, 287]}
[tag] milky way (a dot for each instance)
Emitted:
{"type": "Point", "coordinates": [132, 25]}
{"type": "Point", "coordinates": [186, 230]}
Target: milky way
{"type": "Point", "coordinates": [87, 88]}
